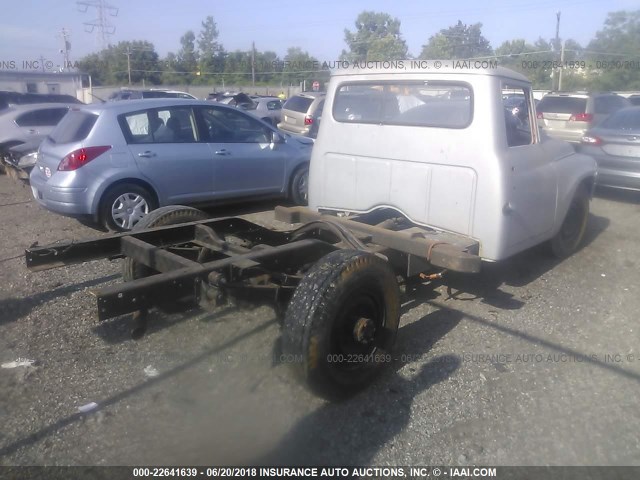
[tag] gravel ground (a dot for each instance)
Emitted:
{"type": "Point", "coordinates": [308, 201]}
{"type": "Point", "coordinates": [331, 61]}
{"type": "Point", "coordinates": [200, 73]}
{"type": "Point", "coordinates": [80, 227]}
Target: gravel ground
{"type": "Point", "coordinates": [532, 362]}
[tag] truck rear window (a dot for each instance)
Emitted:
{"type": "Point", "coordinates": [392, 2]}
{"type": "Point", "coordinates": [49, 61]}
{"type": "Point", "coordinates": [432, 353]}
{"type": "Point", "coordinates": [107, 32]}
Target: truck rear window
{"type": "Point", "coordinates": [74, 127]}
{"type": "Point", "coordinates": [425, 104]}
{"type": "Point", "coordinates": [562, 105]}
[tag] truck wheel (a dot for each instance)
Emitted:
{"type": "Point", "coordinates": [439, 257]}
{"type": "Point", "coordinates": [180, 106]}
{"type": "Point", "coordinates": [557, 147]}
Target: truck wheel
{"type": "Point", "coordinates": [342, 322]}
{"type": "Point", "coordinates": [571, 233]}
{"type": "Point", "coordinates": [300, 186]}
{"type": "Point", "coordinates": [171, 215]}
{"type": "Point", "coordinates": [123, 206]}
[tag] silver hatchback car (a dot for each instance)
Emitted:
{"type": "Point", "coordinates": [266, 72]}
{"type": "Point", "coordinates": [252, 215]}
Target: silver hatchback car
{"type": "Point", "coordinates": [115, 162]}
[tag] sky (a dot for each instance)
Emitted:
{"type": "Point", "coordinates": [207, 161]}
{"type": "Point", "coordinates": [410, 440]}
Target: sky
{"type": "Point", "coordinates": [30, 29]}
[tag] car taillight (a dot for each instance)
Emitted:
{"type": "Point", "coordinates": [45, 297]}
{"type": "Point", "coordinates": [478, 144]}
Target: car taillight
{"type": "Point", "coordinates": [308, 120]}
{"type": "Point", "coordinates": [540, 115]}
{"type": "Point", "coordinates": [80, 157]}
{"type": "Point", "coordinates": [581, 117]}
{"type": "Point", "coordinates": [591, 140]}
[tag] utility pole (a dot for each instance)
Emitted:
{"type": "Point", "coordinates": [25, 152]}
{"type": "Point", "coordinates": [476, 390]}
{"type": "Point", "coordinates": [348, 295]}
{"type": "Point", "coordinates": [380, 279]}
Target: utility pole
{"type": "Point", "coordinates": [65, 34]}
{"type": "Point", "coordinates": [128, 54]}
{"type": "Point", "coordinates": [555, 46]}
{"type": "Point", "coordinates": [253, 64]}
{"type": "Point", "coordinates": [561, 67]}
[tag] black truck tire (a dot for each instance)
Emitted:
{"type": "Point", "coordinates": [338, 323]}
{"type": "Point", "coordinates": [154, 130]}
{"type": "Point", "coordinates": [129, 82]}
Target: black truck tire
{"type": "Point", "coordinates": [342, 322]}
{"type": "Point", "coordinates": [574, 225]}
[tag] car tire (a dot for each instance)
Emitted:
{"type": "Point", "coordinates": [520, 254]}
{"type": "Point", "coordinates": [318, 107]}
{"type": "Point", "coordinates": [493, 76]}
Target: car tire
{"type": "Point", "coordinates": [170, 215]}
{"type": "Point", "coordinates": [574, 225]}
{"type": "Point", "coordinates": [299, 191]}
{"type": "Point", "coordinates": [341, 323]}
{"type": "Point", "coordinates": [138, 202]}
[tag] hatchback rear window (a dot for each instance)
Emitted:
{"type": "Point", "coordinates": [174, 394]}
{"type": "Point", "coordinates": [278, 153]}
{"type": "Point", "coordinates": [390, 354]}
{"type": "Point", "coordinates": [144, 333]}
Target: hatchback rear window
{"type": "Point", "coordinates": [74, 127]}
{"type": "Point", "coordinates": [562, 105]}
{"type": "Point", "coordinates": [607, 104]}
{"type": "Point", "coordinates": [298, 104]}
{"type": "Point", "coordinates": [627, 119]}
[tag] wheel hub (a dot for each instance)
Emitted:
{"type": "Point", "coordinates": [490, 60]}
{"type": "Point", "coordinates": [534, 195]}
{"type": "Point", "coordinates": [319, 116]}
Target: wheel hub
{"type": "Point", "coordinates": [364, 330]}
{"type": "Point", "coordinates": [128, 209]}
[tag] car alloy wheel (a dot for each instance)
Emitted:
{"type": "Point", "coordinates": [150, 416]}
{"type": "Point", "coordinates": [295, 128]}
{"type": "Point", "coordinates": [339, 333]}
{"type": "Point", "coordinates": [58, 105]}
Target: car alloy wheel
{"type": "Point", "coordinates": [128, 209]}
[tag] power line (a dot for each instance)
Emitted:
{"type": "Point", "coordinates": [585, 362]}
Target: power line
{"type": "Point", "coordinates": [100, 25]}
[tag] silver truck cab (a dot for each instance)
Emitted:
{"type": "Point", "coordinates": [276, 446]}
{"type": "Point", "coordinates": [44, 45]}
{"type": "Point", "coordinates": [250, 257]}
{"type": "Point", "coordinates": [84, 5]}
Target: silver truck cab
{"type": "Point", "coordinates": [438, 146]}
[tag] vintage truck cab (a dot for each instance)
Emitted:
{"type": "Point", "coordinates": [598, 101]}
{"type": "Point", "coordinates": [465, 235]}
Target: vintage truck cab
{"type": "Point", "coordinates": [438, 146]}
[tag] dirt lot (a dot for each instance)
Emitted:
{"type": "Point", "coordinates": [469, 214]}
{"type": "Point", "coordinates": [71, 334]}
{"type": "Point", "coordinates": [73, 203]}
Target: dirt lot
{"type": "Point", "coordinates": [533, 362]}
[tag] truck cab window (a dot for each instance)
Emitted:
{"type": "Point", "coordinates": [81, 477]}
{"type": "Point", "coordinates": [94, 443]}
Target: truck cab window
{"type": "Point", "coordinates": [517, 115]}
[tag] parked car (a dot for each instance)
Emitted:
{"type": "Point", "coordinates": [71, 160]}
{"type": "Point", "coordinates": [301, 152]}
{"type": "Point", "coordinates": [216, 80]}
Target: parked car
{"type": "Point", "coordinates": [300, 112]}
{"type": "Point", "coordinates": [128, 94]}
{"type": "Point", "coordinates": [634, 99]}
{"type": "Point", "coordinates": [268, 109]}
{"type": "Point", "coordinates": [26, 123]}
{"type": "Point", "coordinates": [615, 144]}
{"type": "Point", "coordinates": [22, 158]}
{"type": "Point", "coordinates": [568, 115]}
{"type": "Point", "coordinates": [115, 162]}
{"type": "Point", "coordinates": [9, 99]}
{"type": "Point", "coordinates": [239, 100]}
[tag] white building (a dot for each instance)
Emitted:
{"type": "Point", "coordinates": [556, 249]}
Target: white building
{"type": "Point", "coordinates": [75, 84]}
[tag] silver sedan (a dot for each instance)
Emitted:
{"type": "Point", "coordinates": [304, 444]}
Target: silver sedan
{"type": "Point", "coordinates": [615, 145]}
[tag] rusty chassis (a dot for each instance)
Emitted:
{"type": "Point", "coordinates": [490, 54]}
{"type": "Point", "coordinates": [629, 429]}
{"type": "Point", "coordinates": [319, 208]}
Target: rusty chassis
{"type": "Point", "coordinates": [207, 261]}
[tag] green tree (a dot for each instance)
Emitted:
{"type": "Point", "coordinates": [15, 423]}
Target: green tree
{"type": "Point", "coordinates": [535, 61]}
{"type": "Point", "coordinates": [95, 64]}
{"type": "Point", "coordinates": [377, 37]}
{"type": "Point", "coordinates": [531, 60]}
{"type": "Point", "coordinates": [110, 67]}
{"type": "Point", "coordinates": [187, 55]}
{"type": "Point", "coordinates": [616, 43]}
{"type": "Point", "coordinates": [237, 68]}
{"type": "Point", "coordinates": [266, 63]}
{"type": "Point", "coordinates": [457, 41]}
{"type": "Point", "coordinates": [210, 51]}
{"type": "Point", "coordinates": [171, 70]}
{"type": "Point", "coordinates": [182, 67]}
{"type": "Point", "coordinates": [299, 66]}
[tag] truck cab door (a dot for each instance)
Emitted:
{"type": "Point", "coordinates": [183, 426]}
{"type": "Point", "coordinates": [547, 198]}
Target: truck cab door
{"type": "Point", "coordinates": [532, 178]}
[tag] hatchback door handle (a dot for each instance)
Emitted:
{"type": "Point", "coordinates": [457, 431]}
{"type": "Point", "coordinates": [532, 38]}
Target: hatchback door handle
{"type": "Point", "coordinates": [223, 152]}
{"type": "Point", "coordinates": [147, 154]}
